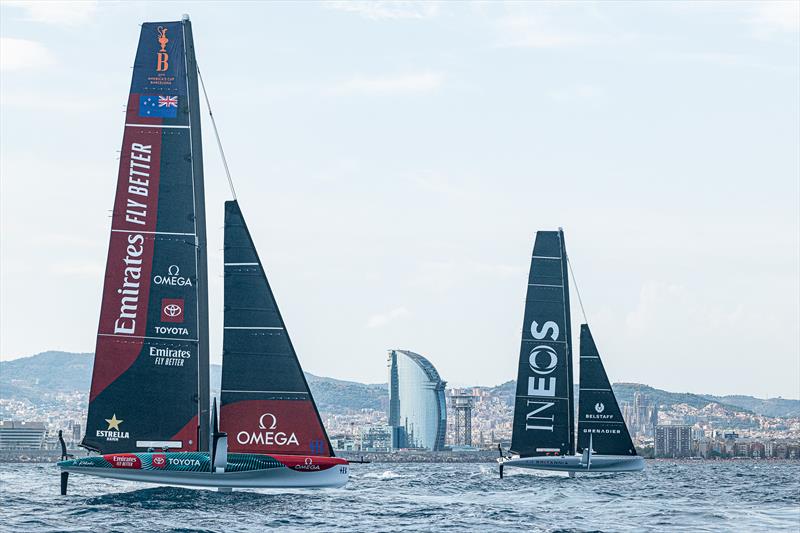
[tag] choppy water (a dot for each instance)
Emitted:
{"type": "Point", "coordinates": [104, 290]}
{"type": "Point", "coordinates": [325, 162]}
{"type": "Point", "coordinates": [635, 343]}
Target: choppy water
{"type": "Point", "coordinates": [677, 496]}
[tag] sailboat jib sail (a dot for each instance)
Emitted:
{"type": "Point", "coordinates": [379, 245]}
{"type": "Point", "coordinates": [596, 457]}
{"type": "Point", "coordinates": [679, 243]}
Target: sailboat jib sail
{"type": "Point", "coordinates": [267, 406]}
{"type": "Point", "coordinates": [145, 379]}
{"type": "Point", "coordinates": [599, 416]}
{"type": "Point", "coordinates": [543, 419]}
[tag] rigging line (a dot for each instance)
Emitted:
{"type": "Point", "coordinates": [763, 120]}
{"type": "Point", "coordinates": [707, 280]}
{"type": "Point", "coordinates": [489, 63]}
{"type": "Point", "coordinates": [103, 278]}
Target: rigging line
{"type": "Point", "coordinates": [216, 132]}
{"type": "Point", "coordinates": [577, 290]}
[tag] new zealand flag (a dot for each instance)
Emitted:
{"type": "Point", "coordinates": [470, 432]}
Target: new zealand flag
{"type": "Point", "coordinates": [158, 106]}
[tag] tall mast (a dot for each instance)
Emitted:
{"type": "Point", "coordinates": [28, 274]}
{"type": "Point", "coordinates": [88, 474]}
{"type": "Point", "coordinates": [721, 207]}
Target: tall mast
{"type": "Point", "coordinates": [568, 321]}
{"type": "Point", "coordinates": [200, 227]}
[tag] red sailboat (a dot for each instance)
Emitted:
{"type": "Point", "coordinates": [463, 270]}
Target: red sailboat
{"type": "Point", "coordinates": [150, 418]}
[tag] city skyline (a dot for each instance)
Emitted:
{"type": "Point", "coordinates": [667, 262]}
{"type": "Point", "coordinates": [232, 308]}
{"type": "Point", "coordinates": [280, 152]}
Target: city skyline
{"type": "Point", "coordinates": [394, 190]}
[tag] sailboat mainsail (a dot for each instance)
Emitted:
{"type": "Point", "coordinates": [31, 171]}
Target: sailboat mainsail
{"type": "Point", "coordinates": [543, 415]}
{"type": "Point", "coordinates": [267, 406]}
{"type": "Point", "coordinates": [599, 416]}
{"type": "Point", "coordinates": [150, 377]}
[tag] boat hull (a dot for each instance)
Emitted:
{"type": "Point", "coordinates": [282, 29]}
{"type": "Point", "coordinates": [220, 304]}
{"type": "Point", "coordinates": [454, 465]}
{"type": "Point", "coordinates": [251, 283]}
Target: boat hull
{"type": "Point", "coordinates": [574, 463]}
{"type": "Point", "coordinates": [193, 469]}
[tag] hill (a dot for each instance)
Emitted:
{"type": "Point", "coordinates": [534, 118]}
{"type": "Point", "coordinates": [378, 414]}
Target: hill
{"type": "Point", "coordinates": [32, 377]}
{"type": "Point", "coordinates": [774, 407]}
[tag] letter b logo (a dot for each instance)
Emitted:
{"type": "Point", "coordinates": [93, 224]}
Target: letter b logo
{"type": "Point", "coordinates": [163, 63]}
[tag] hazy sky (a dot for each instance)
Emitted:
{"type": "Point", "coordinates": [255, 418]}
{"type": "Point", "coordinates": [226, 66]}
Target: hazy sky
{"type": "Point", "coordinates": [394, 161]}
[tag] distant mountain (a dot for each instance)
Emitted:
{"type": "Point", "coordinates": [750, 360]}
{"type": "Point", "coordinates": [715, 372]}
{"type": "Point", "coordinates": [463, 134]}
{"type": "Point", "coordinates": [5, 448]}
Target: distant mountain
{"type": "Point", "coordinates": [31, 377]}
{"type": "Point", "coordinates": [333, 395]}
{"type": "Point", "coordinates": [52, 371]}
{"type": "Point", "coordinates": [775, 407]}
{"type": "Point", "coordinates": [778, 407]}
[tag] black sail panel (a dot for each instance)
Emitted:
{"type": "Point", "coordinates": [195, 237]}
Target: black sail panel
{"type": "Point", "coordinates": [543, 416]}
{"type": "Point", "coordinates": [267, 406]}
{"type": "Point", "coordinates": [599, 416]}
{"type": "Point", "coordinates": [145, 385]}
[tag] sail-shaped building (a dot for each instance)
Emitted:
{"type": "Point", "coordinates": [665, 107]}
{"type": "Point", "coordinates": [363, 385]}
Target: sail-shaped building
{"type": "Point", "coordinates": [417, 410]}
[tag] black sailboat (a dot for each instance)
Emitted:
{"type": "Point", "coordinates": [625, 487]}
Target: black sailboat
{"type": "Point", "coordinates": [149, 409]}
{"type": "Point", "coordinates": [544, 430]}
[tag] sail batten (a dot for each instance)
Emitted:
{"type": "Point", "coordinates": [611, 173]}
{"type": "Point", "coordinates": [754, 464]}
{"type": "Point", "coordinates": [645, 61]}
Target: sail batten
{"type": "Point", "coordinates": [543, 419]}
{"type": "Point", "coordinates": [266, 405]}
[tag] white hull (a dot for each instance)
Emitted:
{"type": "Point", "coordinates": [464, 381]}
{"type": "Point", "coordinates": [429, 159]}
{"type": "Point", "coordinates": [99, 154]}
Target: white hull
{"type": "Point", "coordinates": [272, 478]}
{"type": "Point", "coordinates": [575, 463]}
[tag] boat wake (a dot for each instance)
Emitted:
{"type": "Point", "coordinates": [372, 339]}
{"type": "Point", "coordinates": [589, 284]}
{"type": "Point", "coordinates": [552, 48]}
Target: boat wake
{"type": "Point", "coordinates": [386, 474]}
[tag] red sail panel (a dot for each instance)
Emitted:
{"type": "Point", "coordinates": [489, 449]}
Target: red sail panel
{"type": "Point", "coordinates": [289, 427]}
{"type": "Point", "coordinates": [145, 378]}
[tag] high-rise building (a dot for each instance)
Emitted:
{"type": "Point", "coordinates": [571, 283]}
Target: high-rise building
{"type": "Point", "coordinates": [642, 416]}
{"type": "Point", "coordinates": [15, 435]}
{"type": "Point", "coordinates": [673, 441]}
{"type": "Point", "coordinates": [417, 410]}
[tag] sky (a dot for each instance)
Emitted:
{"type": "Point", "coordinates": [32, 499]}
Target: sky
{"type": "Point", "coordinates": [395, 160]}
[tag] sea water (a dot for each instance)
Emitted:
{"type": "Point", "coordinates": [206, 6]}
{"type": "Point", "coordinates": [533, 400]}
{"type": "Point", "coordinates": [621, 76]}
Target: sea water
{"type": "Point", "coordinates": [667, 496]}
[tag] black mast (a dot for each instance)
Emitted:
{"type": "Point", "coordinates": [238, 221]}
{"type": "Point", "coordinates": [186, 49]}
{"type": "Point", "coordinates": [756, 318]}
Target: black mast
{"type": "Point", "coordinates": [203, 442]}
{"type": "Point", "coordinates": [571, 379]}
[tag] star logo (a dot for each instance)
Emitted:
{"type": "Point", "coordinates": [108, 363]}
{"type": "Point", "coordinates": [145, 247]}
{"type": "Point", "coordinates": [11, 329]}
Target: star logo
{"type": "Point", "coordinates": [113, 422]}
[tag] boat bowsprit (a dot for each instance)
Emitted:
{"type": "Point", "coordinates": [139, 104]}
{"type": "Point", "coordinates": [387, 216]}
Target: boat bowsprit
{"type": "Point", "coordinates": [193, 469]}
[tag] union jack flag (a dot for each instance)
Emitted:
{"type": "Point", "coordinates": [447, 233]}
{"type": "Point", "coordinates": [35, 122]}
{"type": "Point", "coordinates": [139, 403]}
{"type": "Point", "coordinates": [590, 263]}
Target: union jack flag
{"type": "Point", "coordinates": [151, 105]}
{"type": "Point", "coordinates": [167, 101]}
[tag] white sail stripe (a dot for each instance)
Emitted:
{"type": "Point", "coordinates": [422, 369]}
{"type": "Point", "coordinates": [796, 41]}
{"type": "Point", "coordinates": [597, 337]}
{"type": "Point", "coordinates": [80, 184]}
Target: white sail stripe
{"type": "Point", "coordinates": [544, 257]}
{"type": "Point", "coordinates": [240, 264]}
{"type": "Point", "coordinates": [595, 389]}
{"type": "Point", "coordinates": [544, 285]}
{"type": "Point", "coordinates": [544, 398]}
{"type": "Point", "coordinates": [145, 337]}
{"type": "Point", "coordinates": [156, 126]}
{"type": "Point", "coordinates": [151, 232]}
{"type": "Point", "coordinates": [252, 327]}
{"type": "Point", "coordinates": [159, 443]}
{"type": "Point", "coordinates": [265, 391]}
{"type": "Point", "coordinates": [589, 357]}
{"type": "Point", "coordinates": [544, 340]}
